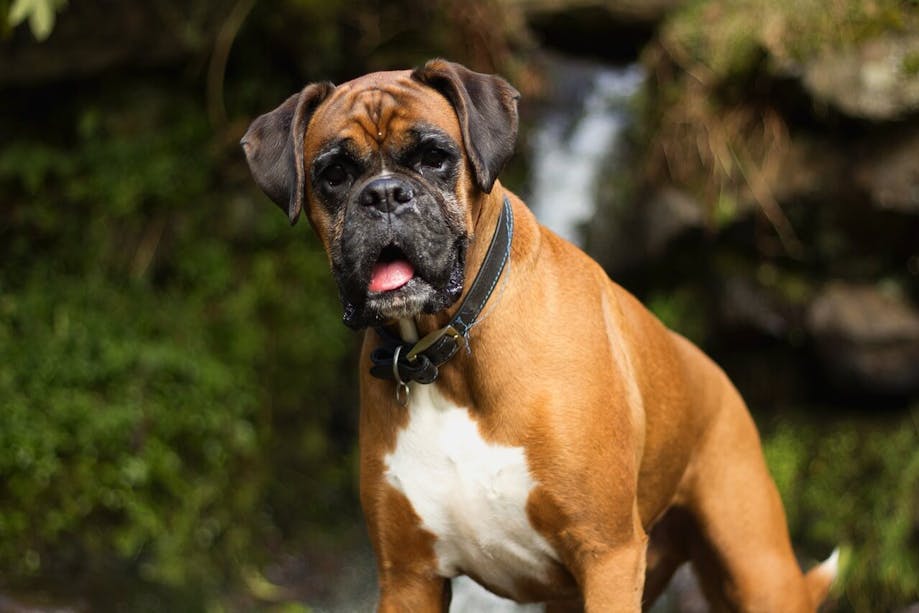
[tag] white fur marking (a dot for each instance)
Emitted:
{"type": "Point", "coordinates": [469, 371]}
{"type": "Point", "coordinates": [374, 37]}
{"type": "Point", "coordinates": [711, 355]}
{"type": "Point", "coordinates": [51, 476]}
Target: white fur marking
{"type": "Point", "coordinates": [469, 493]}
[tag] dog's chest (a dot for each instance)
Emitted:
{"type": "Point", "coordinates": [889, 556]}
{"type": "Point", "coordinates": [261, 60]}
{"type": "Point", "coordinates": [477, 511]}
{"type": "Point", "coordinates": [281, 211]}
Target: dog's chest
{"type": "Point", "coordinates": [471, 494]}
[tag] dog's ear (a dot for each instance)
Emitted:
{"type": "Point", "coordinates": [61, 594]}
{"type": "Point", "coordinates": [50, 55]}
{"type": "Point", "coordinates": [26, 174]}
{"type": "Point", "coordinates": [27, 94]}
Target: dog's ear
{"type": "Point", "coordinates": [486, 106]}
{"type": "Point", "coordinates": [274, 148]}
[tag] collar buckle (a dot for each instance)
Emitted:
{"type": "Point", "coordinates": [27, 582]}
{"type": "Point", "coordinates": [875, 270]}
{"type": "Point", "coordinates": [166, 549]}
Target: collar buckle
{"type": "Point", "coordinates": [428, 341]}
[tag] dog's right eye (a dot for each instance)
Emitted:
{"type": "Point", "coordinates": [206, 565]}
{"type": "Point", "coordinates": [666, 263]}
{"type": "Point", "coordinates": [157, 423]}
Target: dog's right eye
{"type": "Point", "coordinates": [434, 158]}
{"type": "Point", "coordinates": [335, 175]}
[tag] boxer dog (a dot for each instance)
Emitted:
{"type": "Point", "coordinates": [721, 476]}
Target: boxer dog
{"type": "Point", "coordinates": [524, 420]}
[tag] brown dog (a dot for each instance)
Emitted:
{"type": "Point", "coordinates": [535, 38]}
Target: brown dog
{"type": "Point", "coordinates": [547, 436]}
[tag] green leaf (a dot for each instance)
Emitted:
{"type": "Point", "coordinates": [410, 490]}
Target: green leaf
{"type": "Point", "coordinates": [40, 14]}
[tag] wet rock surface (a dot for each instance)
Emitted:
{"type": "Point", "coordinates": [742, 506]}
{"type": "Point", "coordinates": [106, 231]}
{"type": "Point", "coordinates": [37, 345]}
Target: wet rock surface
{"type": "Point", "coordinates": [874, 80]}
{"type": "Point", "coordinates": [629, 11]}
{"type": "Point", "coordinates": [668, 215]}
{"type": "Point", "coordinates": [890, 172]}
{"type": "Point", "coordinates": [610, 30]}
{"type": "Point", "coordinates": [867, 339]}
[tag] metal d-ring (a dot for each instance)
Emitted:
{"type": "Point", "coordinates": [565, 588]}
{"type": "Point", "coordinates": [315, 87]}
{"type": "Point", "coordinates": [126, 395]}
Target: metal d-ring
{"type": "Point", "coordinates": [402, 389]}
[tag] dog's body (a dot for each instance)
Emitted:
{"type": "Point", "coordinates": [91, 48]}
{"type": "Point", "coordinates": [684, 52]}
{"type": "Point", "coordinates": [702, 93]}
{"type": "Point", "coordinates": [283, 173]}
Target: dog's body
{"type": "Point", "coordinates": [576, 452]}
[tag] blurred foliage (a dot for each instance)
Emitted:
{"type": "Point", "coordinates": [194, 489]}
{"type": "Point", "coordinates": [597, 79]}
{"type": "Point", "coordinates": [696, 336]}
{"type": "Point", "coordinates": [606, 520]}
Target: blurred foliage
{"type": "Point", "coordinates": [788, 32]}
{"type": "Point", "coordinates": [173, 357]}
{"type": "Point", "coordinates": [854, 482]}
{"type": "Point", "coordinates": [123, 434]}
{"type": "Point", "coordinates": [40, 14]}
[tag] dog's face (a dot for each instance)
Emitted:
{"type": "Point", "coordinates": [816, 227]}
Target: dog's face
{"type": "Point", "coordinates": [388, 168]}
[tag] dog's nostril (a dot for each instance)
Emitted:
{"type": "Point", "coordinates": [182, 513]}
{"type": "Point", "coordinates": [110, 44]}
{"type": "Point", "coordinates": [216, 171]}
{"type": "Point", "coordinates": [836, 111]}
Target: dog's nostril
{"type": "Point", "coordinates": [370, 197]}
{"type": "Point", "coordinates": [402, 194]}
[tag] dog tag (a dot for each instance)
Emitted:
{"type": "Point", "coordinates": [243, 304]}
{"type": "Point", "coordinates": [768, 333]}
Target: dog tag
{"type": "Point", "coordinates": [402, 390]}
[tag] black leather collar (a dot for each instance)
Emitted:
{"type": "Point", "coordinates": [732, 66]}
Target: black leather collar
{"type": "Point", "coordinates": [403, 362]}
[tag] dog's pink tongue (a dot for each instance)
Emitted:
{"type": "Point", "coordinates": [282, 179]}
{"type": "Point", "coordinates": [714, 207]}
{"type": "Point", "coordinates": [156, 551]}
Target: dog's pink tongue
{"type": "Point", "coordinates": [388, 276]}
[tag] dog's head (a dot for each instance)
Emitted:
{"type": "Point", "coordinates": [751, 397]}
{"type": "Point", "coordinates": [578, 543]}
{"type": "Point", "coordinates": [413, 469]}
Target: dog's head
{"type": "Point", "coordinates": [389, 168]}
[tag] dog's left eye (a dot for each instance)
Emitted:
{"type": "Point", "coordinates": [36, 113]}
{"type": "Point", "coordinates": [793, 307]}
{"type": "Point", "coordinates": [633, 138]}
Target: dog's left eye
{"type": "Point", "coordinates": [434, 158]}
{"type": "Point", "coordinates": [335, 175]}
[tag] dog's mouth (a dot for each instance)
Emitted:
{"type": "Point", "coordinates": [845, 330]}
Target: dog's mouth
{"type": "Point", "coordinates": [401, 279]}
{"type": "Point", "coordinates": [391, 271]}
{"type": "Point", "coordinates": [399, 263]}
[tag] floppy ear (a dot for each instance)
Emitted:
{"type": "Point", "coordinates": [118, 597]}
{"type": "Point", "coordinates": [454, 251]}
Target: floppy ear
{"type": "Point", "coordinates": [274, 148]}
{"type": "Point", "coordinates": [486, 106]}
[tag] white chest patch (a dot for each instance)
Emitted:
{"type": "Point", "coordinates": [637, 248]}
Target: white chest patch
{"type": "Point", "coordinates": [469, 493]}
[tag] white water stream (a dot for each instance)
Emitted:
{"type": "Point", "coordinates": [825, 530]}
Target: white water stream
{"type": "Point", "coordinates": [575, 142]}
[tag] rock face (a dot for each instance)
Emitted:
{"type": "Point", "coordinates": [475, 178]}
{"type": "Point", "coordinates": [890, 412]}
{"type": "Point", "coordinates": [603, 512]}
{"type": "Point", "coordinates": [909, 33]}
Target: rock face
{"type": "Point", "coordinates": [668, 215]}
{"type": "Point", "coordinates": [609, 30]}
{"type": "Point", "coordinates": [876, 80]}
{"type": "Point", "coordinates": [890, 174]}
{"type": "Point", "coordinates": [868, 340]}
{"type": "Point", "coordinates": [795, 138]}
{"type": "Point", "coordinates": [634, 11]}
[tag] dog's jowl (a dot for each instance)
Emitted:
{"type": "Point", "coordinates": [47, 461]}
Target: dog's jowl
{"type": "Point", "coordinates": [524, 420]}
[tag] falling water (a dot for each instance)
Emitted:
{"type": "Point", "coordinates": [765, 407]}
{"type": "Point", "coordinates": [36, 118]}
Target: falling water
{"type": "Point", "coordinates": [575, 141]}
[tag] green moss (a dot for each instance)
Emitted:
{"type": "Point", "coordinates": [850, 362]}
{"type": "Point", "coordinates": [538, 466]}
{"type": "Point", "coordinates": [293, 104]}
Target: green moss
{"type": "Point", "coordinates": [167, 345]}
{"type": "Point", "coordinates": [121, 432]}
{"type": "Point", "coordinates": [854, 481]}
{"type": "Point", "coordinates": [786, 30]}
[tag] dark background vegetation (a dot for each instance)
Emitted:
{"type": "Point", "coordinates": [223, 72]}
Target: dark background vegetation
{"type": "Point", "coordinates": [177, 393]}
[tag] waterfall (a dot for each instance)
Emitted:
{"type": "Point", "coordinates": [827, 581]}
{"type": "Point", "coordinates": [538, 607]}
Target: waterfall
{"type": "Point", "coordinates": [580, 133]}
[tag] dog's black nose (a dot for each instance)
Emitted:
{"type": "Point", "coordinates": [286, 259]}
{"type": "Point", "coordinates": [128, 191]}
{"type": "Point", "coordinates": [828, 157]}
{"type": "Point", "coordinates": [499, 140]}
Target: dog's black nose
{"type": "Point", "coordinates": [387, 194]}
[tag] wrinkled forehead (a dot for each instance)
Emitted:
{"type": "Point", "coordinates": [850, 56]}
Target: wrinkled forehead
{"type": "Point", "coordinates": [382, 109]}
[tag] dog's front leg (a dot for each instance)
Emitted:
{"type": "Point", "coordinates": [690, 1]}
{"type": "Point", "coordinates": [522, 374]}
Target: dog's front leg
{"type": "Point", "coordinates": [407, 568]}
{"type": "Point", "coordinates": [408, 591]}
{"type": "Point", "coordinates": [612, 575]}
{"type": "Point", "coordinates": [613, 580]}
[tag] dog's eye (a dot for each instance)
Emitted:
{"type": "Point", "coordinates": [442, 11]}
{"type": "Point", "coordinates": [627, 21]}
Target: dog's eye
{"type": "Point", "coordinates": [335, 175]}
{"type": "Point", "coordinates": [434, 158]}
